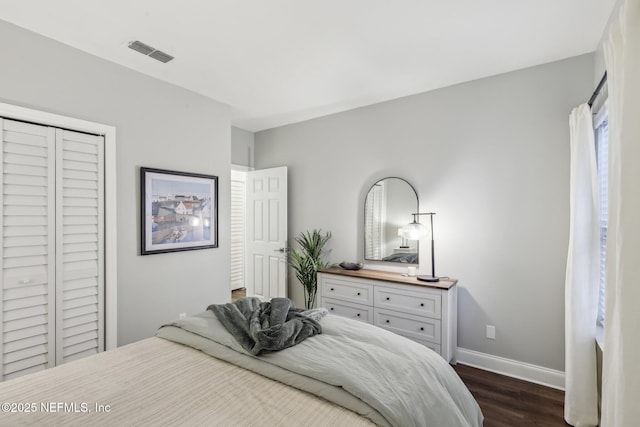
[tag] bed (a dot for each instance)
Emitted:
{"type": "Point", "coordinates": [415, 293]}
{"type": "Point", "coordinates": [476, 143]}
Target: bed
{"type": "Point", "coordinates": [193, 372]}
{"type": "Point", "coordinates": [403, 257]}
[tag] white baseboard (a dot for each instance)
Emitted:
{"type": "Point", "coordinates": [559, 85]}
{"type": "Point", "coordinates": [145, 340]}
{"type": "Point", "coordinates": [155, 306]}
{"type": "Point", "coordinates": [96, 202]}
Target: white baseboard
{"type": "Point", "coordinates": [512, 368]}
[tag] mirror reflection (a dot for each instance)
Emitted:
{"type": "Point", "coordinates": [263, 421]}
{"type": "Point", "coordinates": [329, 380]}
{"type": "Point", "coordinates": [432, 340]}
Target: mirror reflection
{"type": "Point", "coordinates": [387, 208]}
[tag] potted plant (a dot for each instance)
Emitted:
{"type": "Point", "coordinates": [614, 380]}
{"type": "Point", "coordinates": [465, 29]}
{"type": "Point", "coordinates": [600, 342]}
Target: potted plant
{"type": "Point", "coordinates": [307, 261]}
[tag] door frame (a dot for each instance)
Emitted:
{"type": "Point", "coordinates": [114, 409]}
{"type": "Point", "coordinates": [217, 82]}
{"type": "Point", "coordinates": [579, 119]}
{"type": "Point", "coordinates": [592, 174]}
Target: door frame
{"type": "Point", "coordinates": [15, 112]}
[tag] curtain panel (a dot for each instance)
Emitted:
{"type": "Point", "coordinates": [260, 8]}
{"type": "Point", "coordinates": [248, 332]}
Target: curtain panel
{"type": "Point", "coordinates": [621, 370]}
{"type": "Point", "coordinates": [583, 275]}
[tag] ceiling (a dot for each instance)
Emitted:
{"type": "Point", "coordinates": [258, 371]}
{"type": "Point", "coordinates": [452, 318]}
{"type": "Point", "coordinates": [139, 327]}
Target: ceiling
{"type": "Point", "coordinates": [282, 61]}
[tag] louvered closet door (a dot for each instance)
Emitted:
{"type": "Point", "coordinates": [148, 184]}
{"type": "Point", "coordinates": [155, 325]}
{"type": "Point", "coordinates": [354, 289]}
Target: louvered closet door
{"type": "Point", "coordinates": [238, 215]}
{"type": "Point", "coordinates": [27, 248]}
{"type": "Point", "coordinates": [79, 245]}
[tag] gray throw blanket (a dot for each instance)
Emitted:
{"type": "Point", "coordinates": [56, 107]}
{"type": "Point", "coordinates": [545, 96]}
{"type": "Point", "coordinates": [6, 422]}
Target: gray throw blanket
{"type": "Point", "coordinates": [267, 326]}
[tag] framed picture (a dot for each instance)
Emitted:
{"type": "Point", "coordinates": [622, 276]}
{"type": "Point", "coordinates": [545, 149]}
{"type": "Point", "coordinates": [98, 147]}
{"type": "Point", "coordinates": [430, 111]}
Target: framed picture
{"type": "Point", "coordinates": [179, 211]}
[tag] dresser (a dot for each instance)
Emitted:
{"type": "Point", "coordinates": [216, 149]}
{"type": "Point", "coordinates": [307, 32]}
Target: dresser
{"type": "Point", "coordinates": [421, 311]}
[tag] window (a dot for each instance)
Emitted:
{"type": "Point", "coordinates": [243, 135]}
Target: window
{"type": "Point", "coordinates": [601, 126]}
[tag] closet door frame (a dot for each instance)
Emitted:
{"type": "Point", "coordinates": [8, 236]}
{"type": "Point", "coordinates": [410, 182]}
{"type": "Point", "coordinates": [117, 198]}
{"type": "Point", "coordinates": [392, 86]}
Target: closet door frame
{"type": "Point", "coordinates": [110, 237]}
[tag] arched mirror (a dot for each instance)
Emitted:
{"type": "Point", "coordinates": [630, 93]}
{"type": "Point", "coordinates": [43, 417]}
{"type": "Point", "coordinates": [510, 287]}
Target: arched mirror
{"type": "Point", "coordinates": [387, 208]}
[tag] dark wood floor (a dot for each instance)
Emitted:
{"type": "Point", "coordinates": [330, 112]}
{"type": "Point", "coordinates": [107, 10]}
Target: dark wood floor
{"type": "Point", "coordinates": [505, 401]}
{"type": "Point", "coordinates": [509, 402]}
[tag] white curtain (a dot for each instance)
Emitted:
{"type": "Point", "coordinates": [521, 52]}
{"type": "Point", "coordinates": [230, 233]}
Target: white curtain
{"type": "Point", "coordinates": [582, 281]}
{"type": "Point", "coordinates": [621, 358]}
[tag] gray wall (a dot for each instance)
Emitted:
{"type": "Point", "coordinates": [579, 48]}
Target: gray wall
{"type": "Point", "coordinates": [242, 147]}
{"type": "Point", "coordinates": [158, 125]}
{"type": "Point", "coordinates": [491, 158]}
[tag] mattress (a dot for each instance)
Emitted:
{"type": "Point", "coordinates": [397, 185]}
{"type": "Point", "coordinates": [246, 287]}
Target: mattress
{"type": "Point", "coordinates": [159, 382]}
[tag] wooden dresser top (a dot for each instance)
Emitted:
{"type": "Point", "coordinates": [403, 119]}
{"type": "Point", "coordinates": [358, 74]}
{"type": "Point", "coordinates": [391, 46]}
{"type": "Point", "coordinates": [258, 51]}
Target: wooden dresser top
{"type": "Point", "coordinates": [390, 277]}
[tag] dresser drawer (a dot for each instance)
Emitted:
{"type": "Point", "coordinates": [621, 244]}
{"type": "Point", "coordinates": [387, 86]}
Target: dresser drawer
{"type": "Point", "coordinates": [423, 303]}
{"type": "Point", "coordinates": [345, 290]}
{"type": "Point", "coordinates": [408, 325]}
{"type": "Point", "coordinates": [433, 346]}
{"type": "Point", "coordinates": [345, 309]}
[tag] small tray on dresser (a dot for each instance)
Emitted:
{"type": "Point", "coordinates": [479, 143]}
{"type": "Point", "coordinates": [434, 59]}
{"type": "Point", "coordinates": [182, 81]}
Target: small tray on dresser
{"type": "Point", "coordinates": [351, 265]}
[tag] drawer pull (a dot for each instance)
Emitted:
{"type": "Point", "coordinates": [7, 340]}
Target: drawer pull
{"type": "Point", "coordinates": [358, 314]}
{"type": "Point", "coordinates": [388, 298]}
{"type": "Point", "coordinates": [24, 281]}
{"type": "Point", "coordinates": [331, 288]}
{"type": "Point", "coordinates": [331, 308]}
{"type": "Point", "coordinates": [387, 320]}
{"type": "Point", "coordinates": [358, 293]}
{"type": "Point", "coordinates": [421, 304]}
{"type": "Point", "coordinates": [421, 328]}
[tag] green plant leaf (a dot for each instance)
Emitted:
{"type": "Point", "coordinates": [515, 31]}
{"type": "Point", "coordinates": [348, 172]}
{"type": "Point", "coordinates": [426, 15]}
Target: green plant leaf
{"type": "Point", "coordinates": [307, 261]}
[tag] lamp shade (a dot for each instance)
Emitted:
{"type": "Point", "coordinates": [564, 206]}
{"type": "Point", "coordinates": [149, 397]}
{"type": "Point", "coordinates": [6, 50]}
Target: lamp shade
{"type": "Point", "coordinates": [414, 231]}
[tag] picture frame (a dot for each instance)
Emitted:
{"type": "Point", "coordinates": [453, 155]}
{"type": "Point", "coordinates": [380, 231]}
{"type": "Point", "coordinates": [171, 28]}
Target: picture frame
{"type": "Point", "coordinates": [179, 211]}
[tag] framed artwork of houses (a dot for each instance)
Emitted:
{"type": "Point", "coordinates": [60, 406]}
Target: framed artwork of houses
{"type": "Point", "coordinates": [179, 211]}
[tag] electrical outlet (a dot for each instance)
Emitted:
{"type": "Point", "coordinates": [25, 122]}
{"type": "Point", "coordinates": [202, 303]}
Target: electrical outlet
{"type": "Point", "coordinates": [491, 332]}
{"type": "Point", "coordinates": [183, 315]}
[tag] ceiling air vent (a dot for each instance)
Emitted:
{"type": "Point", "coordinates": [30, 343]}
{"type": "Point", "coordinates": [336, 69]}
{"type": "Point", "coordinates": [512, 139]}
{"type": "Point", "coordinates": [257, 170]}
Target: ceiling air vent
{"type": "Point", "coordinates": [161, 56]}
{"type": "Point", "coordinates": [147, 50]}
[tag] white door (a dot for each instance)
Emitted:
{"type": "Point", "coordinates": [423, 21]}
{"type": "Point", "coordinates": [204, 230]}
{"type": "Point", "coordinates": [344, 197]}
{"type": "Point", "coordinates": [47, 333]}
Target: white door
{"type": "Point", "coordinates": [27, 248]}
{"type": "Point", "coordinates": [266, 234]}
{"type": "Point", "coordinates": [79, 245]}
{"type": "Point", "coordinates": [51, 247]}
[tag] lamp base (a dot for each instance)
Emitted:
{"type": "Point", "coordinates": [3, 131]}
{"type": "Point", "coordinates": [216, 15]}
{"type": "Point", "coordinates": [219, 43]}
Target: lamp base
{"type": "Point", "coordinates": [428, 278]}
